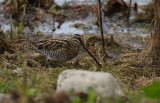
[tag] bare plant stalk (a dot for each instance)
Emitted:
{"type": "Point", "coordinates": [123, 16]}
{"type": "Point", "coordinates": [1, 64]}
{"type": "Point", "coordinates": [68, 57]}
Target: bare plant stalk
{"type": "Point", "coordinates": [101, 27]}
{"type": "Point", "coordinates": [136, 7]}
{"type": "Point", "coordinates": [25, 74]}
{"type": "Point", "coordinates": [38, 3]}
{"type": "Point", "coordinates": [155, 47]}
{"type": "Point", "coordinates": [11, 34]}
{"type": "Point", "coordinates": [129, 10]}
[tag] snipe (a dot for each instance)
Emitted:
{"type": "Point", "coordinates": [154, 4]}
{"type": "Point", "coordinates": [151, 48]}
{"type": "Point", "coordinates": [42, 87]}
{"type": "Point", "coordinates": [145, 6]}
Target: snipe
{"type": "Point", "coordinates": [58, 50]}
{"type": "Point", "coordinates": [61, 50]}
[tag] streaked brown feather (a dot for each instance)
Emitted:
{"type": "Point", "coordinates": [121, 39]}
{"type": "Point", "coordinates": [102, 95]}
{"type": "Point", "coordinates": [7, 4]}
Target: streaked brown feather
{"type": "Point", "coordinates": [58, 49]}
{"type": "Point", "coordinates": [51, 44]}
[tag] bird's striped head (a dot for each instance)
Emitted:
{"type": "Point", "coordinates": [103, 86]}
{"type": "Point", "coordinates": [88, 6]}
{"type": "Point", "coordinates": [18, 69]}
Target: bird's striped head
{"type": "Point", "coordinates": [77, 38]}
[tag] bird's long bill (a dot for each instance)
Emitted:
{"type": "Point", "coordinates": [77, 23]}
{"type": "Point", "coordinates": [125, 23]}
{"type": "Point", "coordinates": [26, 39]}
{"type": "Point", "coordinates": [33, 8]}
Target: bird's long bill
{"type": "Point", "coordinates": [89, 53]}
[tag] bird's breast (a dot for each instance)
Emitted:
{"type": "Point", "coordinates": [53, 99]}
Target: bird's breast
{"type": "Point", "coordinates": [64, 54]}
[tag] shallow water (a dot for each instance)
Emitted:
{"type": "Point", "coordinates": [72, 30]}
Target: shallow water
{"type": "Point", "coordinates": [4, 22]}
{"type": "Point", "coordinates": [139, 2]}
{"type": "Point", "coordinates": [112, 26]}
{"type": "Point", "coordinates": [62, 2]}
{"type": "Point", "coordinates": [68, 27]}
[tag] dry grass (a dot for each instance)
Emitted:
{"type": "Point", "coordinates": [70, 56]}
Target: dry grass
{"type": "Point", "coordinates": [25, 69]}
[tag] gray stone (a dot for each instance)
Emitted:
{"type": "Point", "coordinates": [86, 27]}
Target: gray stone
{"type": "Point", "coordinates": [102, 82]}
{"type": "Point", "coordinates": [5, 98]}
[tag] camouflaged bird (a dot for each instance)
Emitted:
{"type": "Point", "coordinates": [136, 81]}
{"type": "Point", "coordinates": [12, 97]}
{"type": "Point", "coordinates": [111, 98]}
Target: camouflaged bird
{"type": "Point", "coordinates": [58, 50]}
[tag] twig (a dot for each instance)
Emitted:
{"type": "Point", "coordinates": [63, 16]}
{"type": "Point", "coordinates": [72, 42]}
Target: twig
{"type": "Point", "coordinates": [11, 34]}
{"type": "Point", "coordinates": [101, 27]}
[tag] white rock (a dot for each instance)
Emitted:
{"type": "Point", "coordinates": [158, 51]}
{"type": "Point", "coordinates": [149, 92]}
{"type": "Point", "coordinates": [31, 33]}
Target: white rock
{"type": "Point", "coordinates": [5, 98]}
{"type": "Point", "coordinates": [103, 83]}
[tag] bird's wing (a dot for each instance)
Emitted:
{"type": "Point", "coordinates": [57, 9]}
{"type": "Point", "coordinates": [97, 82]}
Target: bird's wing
{"type": "Point", "coordinates": [51, 44]}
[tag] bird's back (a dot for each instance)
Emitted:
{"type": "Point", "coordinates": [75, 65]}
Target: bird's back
{"type": "Point", "coordinates": [57, 49]}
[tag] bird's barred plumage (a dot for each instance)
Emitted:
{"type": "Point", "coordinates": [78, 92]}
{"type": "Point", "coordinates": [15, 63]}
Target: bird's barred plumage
{"type": "Point", "coordinates": [58, 49]}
